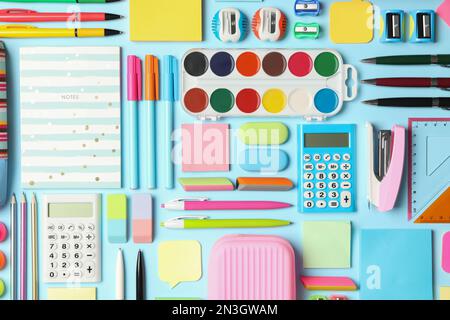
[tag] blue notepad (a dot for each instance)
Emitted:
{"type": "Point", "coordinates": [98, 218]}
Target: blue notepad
{"type": "Point", "coordinates": [396, 264]}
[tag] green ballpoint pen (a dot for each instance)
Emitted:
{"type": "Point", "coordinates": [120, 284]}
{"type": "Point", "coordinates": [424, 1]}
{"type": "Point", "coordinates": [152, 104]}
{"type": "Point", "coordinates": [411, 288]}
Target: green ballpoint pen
{"type": "Point", "coordinates": [203, 222]}
{"type": "Point", "coordinates": [60, 1]}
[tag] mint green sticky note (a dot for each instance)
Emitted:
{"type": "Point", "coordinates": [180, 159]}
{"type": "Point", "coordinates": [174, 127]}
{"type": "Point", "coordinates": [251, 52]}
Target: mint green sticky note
{"type": "Point", "coordinates": [327, 244]}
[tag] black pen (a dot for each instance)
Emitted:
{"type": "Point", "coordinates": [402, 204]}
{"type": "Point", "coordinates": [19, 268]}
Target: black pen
{"type": "Point", "coordinates": [443, 103]}
{"type": "Point", "coordinates": [140, 277]}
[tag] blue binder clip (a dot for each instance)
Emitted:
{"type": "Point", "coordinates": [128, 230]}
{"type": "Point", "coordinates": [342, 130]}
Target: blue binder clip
{"type": "Point", "coordinates": [392, 26]}
{"type": "Point", "coordinates": [307, 7]}
{"type": "Point", "coordinates": [422, 26]}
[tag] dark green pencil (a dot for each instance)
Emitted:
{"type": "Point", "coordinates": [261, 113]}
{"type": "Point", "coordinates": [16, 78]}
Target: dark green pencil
{"type": "Point", "coordinates": [440, 59]}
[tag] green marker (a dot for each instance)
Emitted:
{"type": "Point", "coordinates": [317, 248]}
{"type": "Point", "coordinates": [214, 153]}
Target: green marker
{"type": "Point", "coordinates": [203, 222]}
{"type": "Point", "coordinates": [61, 1]}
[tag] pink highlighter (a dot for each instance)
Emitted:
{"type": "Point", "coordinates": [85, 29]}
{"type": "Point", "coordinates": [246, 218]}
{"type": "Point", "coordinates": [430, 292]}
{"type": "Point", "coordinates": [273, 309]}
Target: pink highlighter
{"type": "Point", "coordinates": [142, 215]}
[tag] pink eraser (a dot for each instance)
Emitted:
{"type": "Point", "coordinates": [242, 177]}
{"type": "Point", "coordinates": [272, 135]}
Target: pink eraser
{"type": "Point", "coordinates": [329, 283]}
{"type": "Point", "coordinates": [444, 11]}
{"type": "Point", "coordinates": [142, 215]}
{"type": "Point", "coordinates": [446, 252]}
{"type": "Point", "coordinates": [3, 232]}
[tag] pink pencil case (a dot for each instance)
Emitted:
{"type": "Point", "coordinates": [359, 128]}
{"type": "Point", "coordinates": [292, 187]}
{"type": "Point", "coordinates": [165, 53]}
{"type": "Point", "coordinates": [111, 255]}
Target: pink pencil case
{"type": "Point", "coordinates": [252, 267]}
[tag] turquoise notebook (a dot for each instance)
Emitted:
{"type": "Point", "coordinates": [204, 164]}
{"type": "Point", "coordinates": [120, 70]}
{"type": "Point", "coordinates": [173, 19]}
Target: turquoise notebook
{"type": "Point", "coordinates": [70, 117]}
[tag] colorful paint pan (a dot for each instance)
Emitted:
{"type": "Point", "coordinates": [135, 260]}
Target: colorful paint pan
{"type": "Point", "coordinates": [263, 82]}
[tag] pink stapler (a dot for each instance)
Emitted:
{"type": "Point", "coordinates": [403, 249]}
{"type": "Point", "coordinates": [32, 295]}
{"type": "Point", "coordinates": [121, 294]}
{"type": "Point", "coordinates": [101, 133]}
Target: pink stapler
{"type": "Point", "coordinates": [386, 162]}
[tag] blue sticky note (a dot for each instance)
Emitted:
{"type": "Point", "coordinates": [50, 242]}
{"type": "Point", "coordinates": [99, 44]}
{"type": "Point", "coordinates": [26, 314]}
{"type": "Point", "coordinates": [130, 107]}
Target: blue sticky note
{"type": "Point", "coordinates": [396, 264]}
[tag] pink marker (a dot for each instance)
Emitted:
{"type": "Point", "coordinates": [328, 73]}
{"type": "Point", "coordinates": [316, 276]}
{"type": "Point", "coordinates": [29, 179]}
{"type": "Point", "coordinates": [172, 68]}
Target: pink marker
{"type": "Point", "coordinates": [205, 204]}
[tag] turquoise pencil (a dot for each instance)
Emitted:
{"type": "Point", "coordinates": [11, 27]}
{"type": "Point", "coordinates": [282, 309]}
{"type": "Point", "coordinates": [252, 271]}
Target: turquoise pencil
{"type": "Point", "coordinates": [134, 77]}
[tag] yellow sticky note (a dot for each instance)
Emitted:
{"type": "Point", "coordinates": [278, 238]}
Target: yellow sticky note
{"type": "Point", "coordinates": [72, 293]}
{"type": "Point", "coordinates": [179, 261]}
{"type": "Point", "coordinates": [351, 22]}
{"type": "Point", "coordinates": [174, 20]}
{"type": "Point", "coordinates": [444, 293]}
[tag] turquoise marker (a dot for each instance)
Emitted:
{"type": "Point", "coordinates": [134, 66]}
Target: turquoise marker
{"type": "Point", "coordinates": [134, 77]}
{"type": "Point", "coordinates": [169, 96]}
{"type": "Point", "coordinates": [151, 95]}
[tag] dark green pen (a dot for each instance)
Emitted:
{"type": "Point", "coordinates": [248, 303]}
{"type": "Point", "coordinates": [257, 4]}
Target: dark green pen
{"type": "Point", "coordinates": [440, 59]}
{"type": "Point", "coordinates": [60, 1]}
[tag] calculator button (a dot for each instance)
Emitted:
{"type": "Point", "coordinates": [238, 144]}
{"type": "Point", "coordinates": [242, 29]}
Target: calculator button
{"type": "Point", "coordinates": [333, 166]}
{"type": "Point", "coordinates": [80, 227]}
{"type": "Point", "coordinates": [52, 246]}
{"type": "Point", "coordinates": [91, 227]}
{"type": "Point", "coordinates": [317, 157]}
{"type": "Point", "coordinates": [333, 195]}
{"type": "Point", "coordinates": [65, 255]}
{"type": "Point", "coordinates": [89, 269]}
{"type": "Point", "coordinates": [321, 204]}
{"type": "Point", "coordinates": [52, 237]}
{"type": "Point", "coordinates": [346, 166]}
{"type": "Point", "coordinates": [77, 246]}
{"type": "Point", "coordinates": [65, 274]}
{"type": "Point", "coordinates": [333, 185]}
{"type": "Point", "coordinates": [77, 274]}
{"type": "Point", "coordinates": [53, 265]}
{"type": "Point", "coordinates": [308, 176]}
{"type": "Point", "coordinates": [77, 237]}
{"type": "Point", "coordinates": [346, 185]}
{"type": "Point", "coordinates": [77, 264]}
{"type": "Point", "coordinates": [77, 255]}
{"type": "Point", "coordinates": [333, 204]}
{"type": "Point", "coordinates": [71, 227]}
{"type": "Point", "coordinates": [90, 246]}
{"type": "Point", "coordinates": [321, 185]}
{"type": "Point", "coordinates": [65, 236]}
{"type": "Point", "coordinates": [90, 236]}
{"type": "Point", "coordinates": [308, 167]}
{"type": "Point", "coordinates": [52, 256]}
{"type": "Point", "coordinates": [321, 176]}
{"type": "Point", "coordinates": [65, 246]}
{"type": "Point", "coordinates": [346, 176]}
{"type": "Point", "coordinates": [346, 157]}
{"type": "Point", "coordinates": [60, 227]}
{"type": "Point", "coordinates": [308, 195]}
{"type": "Point", "coordinates": [52, 274]}
{"type": "Point", "coordinates": [307, 157]}
{"type": "Point", "coordinates": [90, 255]}
{"type": "Point", "coordinates": [308, 204]}
{"type": "Point", "coordinates": [321, 195]}
{"type": "Point", "coordinates": [346, 199]}
{"type": "Point", "coordinates": [327, 157]}
{"type": "Point", "coordinates": [65, 265]}
{"type": "Point", "coordinates": [308, 185]}
{"type": "Point", "coordinates": [321, 166]}
{"type": "Point", "coordinates": [50, 227]}
{"type": "Point", "coordinates": [337, 157]}
{"type": "Point", "coordinates": [333, 176]}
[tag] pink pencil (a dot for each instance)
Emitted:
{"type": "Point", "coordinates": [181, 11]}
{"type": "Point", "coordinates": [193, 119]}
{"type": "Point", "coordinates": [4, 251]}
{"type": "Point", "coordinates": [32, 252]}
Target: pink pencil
{"type": "Point", "coordinates": [205, 204]}
{"type": "Point", "coordinates": [23, 248]}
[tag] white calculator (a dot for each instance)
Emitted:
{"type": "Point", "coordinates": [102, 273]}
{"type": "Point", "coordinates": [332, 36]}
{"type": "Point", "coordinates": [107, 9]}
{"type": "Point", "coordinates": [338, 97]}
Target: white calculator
{"type": "Point", "coordinates": [71, 238]}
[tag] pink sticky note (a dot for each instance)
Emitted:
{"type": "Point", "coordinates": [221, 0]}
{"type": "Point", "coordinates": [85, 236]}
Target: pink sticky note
{"type": "Point", "coordinates": [444, 11]}
{"type": "Point", "coordinates": [446, 252]}
{"type": "Point", "coordinates": [205, 147]}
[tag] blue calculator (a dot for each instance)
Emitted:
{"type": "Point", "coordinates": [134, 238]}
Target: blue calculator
{"type": "Point", "coordinates": [327, 158]}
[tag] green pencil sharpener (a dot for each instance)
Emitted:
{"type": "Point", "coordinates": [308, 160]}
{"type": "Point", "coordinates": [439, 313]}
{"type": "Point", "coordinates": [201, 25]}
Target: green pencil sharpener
{"type": "Point", "coordinates": [306, 30]}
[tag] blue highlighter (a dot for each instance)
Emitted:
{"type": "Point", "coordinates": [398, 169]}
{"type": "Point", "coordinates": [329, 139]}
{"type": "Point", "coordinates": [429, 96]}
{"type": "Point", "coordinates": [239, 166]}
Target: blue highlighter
{"type": "Point", "coordinates": [229, 25]}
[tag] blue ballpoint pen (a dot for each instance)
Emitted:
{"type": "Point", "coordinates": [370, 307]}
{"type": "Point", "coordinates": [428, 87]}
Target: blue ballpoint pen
{"type": "Point", "coordinates": [134, 77]}
{"type": "Point", "coordinates": [170, 95]}
{"type": "Point", "coordinates": [151, 95]}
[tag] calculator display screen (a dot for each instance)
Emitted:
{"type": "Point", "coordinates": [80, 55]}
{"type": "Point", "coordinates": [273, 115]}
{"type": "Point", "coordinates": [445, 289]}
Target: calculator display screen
{"type": "Point", "coordinates": [70, 210]}
{"type": "Point", "coordinates": [326, 140]}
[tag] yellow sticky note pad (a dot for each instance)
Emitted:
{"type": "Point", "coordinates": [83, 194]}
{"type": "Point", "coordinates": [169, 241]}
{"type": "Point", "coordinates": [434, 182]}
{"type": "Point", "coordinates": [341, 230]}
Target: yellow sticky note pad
{"type": "Point", "coordinates": [72, 293]}
{"type": "Point", "coordinates": [444, 293]}
{"type": "Point", "coordinates": [351, 22]}
{"type": "Point", "coordinates": [179, 261]}
{"type": "Point", "coordinates": [175, 20]}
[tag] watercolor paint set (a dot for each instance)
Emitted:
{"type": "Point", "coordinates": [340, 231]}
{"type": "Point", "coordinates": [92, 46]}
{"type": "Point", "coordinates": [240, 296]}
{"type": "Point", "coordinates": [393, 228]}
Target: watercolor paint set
{"type": "Point", "coordinates": [265, 83]}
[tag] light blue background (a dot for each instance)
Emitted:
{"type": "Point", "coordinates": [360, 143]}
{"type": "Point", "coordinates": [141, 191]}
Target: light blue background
{"type": "Point", "coordinates": [354, 112]}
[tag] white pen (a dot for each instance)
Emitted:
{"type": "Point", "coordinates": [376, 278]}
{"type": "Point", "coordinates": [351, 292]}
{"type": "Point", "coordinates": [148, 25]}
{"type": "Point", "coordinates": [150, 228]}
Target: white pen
{"type": "Point", "coordinates": [120, 276]}
{"type": "Point", "coordinates": [13, 248]}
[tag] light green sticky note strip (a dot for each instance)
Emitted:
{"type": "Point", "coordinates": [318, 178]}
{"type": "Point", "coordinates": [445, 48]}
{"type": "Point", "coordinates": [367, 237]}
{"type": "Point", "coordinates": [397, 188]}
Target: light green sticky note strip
{"type": "Point", "coordinates": [116, 206]}
{"type": "Point", "coordinates": [263, 133]}
{"type": "Point", "coordinates": [72, 293]}
{"type": "Point", "coordinates": [179, 261]}
{"type": "Point", "coordinates": [327, 244]}
{"type": "Point", "coordinates": [444, 293]}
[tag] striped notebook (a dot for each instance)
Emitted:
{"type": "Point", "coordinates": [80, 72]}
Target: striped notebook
{"type": "Point", "coordinates": [70, 117]}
